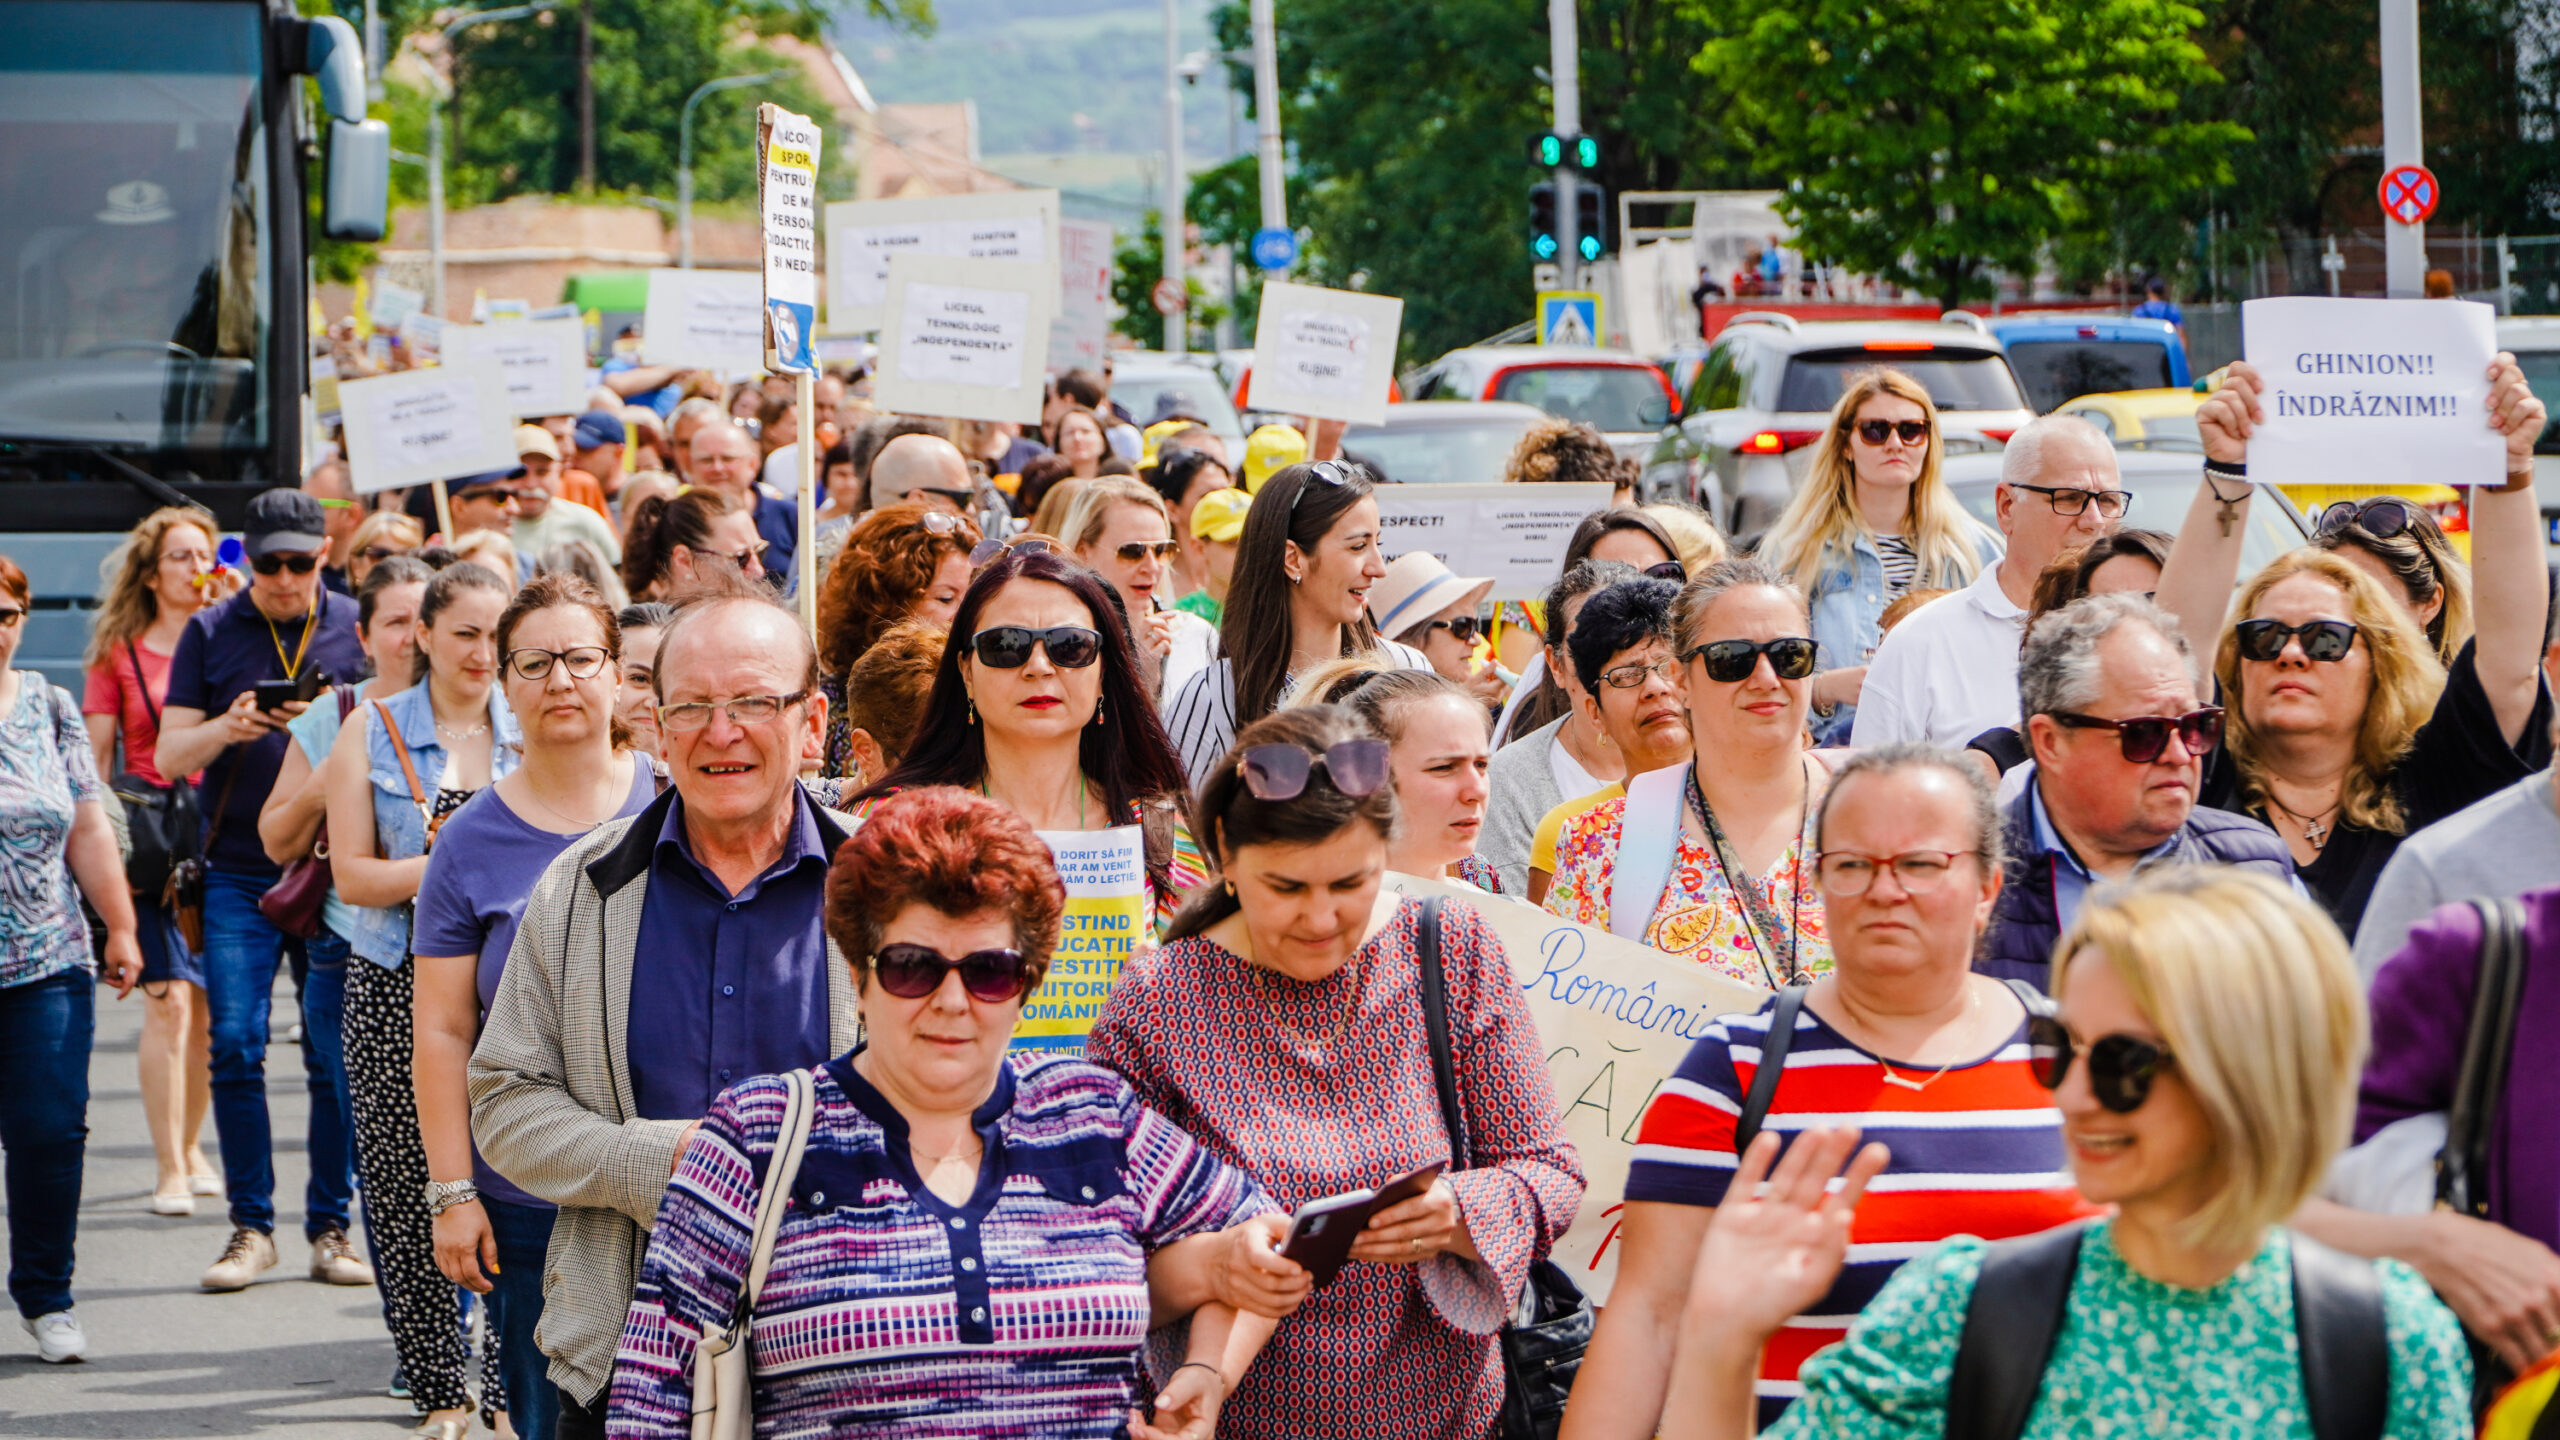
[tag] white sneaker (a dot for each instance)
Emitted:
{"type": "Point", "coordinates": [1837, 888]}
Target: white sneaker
{"type": "Point", "coordinates": [250, 1254]}
{"type": "Point", "coordinates": [59, 1338]}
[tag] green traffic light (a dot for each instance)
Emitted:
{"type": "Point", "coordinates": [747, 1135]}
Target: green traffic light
{"type": "Point", "coordinates": [1590, 247]}
{"type": "Point", "coordinates": [1550, 150]}
{"type": "Point", "coordinates": [1587, 153]}
{"type": "Point", "coordinates": [1544, 247]}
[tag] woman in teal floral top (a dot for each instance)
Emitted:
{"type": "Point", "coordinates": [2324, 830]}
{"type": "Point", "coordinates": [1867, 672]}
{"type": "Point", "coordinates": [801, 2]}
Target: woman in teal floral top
{"type": "Point", "coordinates": [2205, 1062]}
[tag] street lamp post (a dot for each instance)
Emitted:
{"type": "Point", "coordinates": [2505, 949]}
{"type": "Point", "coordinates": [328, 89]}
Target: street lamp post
{"type": "Point", "coordinates": [1177, 321]}
{"type": "Point", "coordinates": [435, 144]}
{"type": "Point", "coordinates": [684, 156]}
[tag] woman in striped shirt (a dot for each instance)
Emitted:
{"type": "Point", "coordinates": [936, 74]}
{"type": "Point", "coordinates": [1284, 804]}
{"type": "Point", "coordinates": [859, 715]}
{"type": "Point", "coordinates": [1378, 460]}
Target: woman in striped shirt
{"type": "Point", "coordinates": [1901, 1039]}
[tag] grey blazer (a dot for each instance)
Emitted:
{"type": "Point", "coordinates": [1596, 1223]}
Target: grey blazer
{"type": "Point", "coordinates": [551, 1104]}
{"type": "Point", "coordinates": [1524, 790]}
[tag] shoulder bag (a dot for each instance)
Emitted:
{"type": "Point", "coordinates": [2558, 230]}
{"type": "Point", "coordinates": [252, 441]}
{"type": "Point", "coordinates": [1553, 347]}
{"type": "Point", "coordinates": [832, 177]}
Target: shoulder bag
{"type": "Point", "coordinates": [1542, 1344]}
{"type": "Point", "coordinates": [723, 1373]}
{"type": "Point", "coordinates": [294, 903]}
{"type": "Point", "coordinates": [163, 823]}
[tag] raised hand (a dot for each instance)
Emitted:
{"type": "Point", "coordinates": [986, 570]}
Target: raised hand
{"type": "Point", "coordinates": [1774, 1249]}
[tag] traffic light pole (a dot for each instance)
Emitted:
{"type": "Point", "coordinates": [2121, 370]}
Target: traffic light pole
{"type": "Point", "coordinates": [1564, 79]}
{"type": "Point", "coordinates": [1175, 229]}
{"type": "Point", "coordinates": [1266, 116]}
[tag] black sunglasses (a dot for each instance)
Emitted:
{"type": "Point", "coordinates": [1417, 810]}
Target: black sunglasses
{"type": "Point", "coordinates": [1727, 661]}
{"type": "Point", "coordinates": [1671, 570]}
{"type": "Point", "coordinates": [2121, 1067]}
{"type": "Point", "coordinates": [1281, 772]}
{"type": "Point", "coordinates": [2323, 640]}
{"type": "Point", "coordinates": [912, 972]}
{"type": "Point", "coordinates": [1463, 629]}
{"type": "Point", "coordinates": [2070, 500]}
{"type": "Point", "coordinates": [12, 618]}
{"type": "Point", "coordinates": [298, 564]}
{"type": "Point", "coordinates": [2145, 737]}
{"type": "Point", "coordinates": [1331, 472]}
{"type": "Point", "coordinates": [2381, 518]}
{"type": "Point", "coordinates": [1875, 432]}
{"type": "Point", "coordinates": [1008, 647]}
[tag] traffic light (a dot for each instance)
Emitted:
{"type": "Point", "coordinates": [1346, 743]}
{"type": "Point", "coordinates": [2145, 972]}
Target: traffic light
{"type": "Point", "coordinates": [1550, 150]}
{"type": "Point", "coordinates": [1543, 243]}
{"type": "Point", "coordinates": [1590, 216]}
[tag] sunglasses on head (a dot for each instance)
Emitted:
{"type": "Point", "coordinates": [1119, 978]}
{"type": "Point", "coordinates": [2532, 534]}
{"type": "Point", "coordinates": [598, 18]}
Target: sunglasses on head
{"type": "Point", "coordinates": [991, 547]}
{"type": "Point", "coordinates": [912, 972]}
{"type": "Point", "coordinates": [1330, 472]}
{"type": "Point", "coordinates": [2324, 640]}
{"type": "Point", "coordinates": [272, 564]}
{"type": "Point", "coordinates": [384, 552]}
{"type": "Point", "coordinates": [1137, 550]}
{"type": "Point", "coordinates": [935, 522]}
{"type": "Point", "coordinates": [1671, 570]}
{"type": "Point", "coordinates": [1790, 658]}
{"type": "Point", "coordinates": [2381, 518]}
{"type": "Point", "coordinates": [1462, 629]}
{"type": "Point", "coordinates": [1281, 772]}
{"type": "Point", "coordinates": [2145, 738]}
{"type": "Point", "coordinates": [2121, 1067]}
{"type": "Point", "coordinates": [1008, 647]}
{"type": "Point", "coordinates": [1876, 432]}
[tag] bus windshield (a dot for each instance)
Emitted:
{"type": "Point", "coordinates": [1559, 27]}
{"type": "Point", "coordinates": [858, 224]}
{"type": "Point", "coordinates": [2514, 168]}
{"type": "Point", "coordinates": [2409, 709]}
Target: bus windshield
{"type": "Point", "coordinates": [135, 301]}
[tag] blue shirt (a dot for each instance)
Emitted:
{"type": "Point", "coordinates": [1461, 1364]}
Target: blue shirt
{"type": "Point", "coordinates": [664, 399]}
{"type": "Point", "coordinates": [727, 986]}
{"type": "Point", "coordinates": [2071, 879]}
{"type": "Point", "coordinates": [778, 526]}
{"type": "Point", "coordinates": [2160, 310]}
{"type": "Point", "coordinates": [227, 649]}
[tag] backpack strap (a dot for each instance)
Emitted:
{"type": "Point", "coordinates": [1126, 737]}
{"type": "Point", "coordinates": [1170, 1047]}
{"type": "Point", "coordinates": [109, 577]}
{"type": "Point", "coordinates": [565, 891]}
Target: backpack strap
{"type": "Point", "coordinates": [1648, 849]}
{"type": "Point", "coordinates": [2346, 1356]}
{"type": "Point", "coordinates": [1773, 1064]}
{"type": "Point", "coordinates": [2016, 1311]}
{"type": "Point", "coordinates": [2036, 1001]}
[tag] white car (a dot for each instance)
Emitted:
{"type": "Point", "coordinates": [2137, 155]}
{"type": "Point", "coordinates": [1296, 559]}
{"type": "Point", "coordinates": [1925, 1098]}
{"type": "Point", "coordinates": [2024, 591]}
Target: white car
{"type": "Point", "coordinates": [2535, 342]}
{"type": "Point", "coordinates": [1145, 382]}
{"type": "Point", "coordinates": [1624, 397]}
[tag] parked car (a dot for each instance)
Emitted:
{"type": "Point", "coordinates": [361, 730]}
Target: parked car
{"type": "Point", "coordinates": [2162, 483]}
{"type": "Point", "coordinates": [2061, 356]}
{"type": "Point", "coordinates": [1623, 396]}
{"type": "Point", "coordinates": [1446, 443]}
{"type": "Point", "coordinates": [1146, 382]}
{"type": "Point", "coordinates": [1764, 393]}
{"type": "Point", "coordinates": [2535, 342]}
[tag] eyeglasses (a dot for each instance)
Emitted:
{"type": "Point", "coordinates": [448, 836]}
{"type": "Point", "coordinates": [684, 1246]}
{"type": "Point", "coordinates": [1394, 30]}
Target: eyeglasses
{"type": "Point", "coordinates": [1848, 873]}
{"type": "Point", "coordinates": [1463, 629]}
{"type": "Point", "coordinates": [2066, 500]}
{"type": "Point", "coordinates": [1874, 432]}
{"type": "Point", "coordinates": [584, 662]}
{"type": "Point", "coordinates": [1635, 672]}
{"type": "Point", "coordinates": [991, 547]}
{"type": "Point", "coordinates": [2121, 1067]}
{"type": "Point", "coordinates": [912, 972]}
{"type": "Point", "coordinates": [2381, 518]}
{"type": "Point", "coordinates": [2323, 640]}
{"type": "Point", "coordinates": [935, 522]}
{"type": "Point", "coordinates": [1330, 472]}
{"type": "Point", "coordinates": [2145, 738]}
{"type": "Point", "coordinates": [1281, 772]}
{"type": "Point", "coordinates": [298, 564]}
{"type": "Point", "coordinates": [384, 552]}
{"type": "Point", "coordinates": [750, 558]}
{"type": "Point", "coordinates": [1137, 550]}
{"type": "Point", "coordinates": [1008, 647]}
{"type": "Point", "coordinates": [12, 618]}
{"type": "Point", "coordinates": [745, 710]}
{"type": "Point", "coordinates": [1671, 570]}
{"type": "Point", "coordinates": [1790, 658]}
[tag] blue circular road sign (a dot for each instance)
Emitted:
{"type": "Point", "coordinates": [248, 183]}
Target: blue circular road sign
{"type": "Point", "coordinates": [1275, 248]}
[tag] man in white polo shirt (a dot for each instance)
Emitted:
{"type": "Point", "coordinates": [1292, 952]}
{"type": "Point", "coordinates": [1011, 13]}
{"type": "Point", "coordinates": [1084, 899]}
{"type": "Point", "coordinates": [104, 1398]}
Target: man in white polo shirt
{"type": "Point", "coordinates": [1949, 671]}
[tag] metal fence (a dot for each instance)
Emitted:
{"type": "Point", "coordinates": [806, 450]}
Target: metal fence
{"type": "Point", "coordinates": [2351, 263]}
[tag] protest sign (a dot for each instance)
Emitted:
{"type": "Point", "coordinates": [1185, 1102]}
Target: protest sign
{"type": "Point", "coordinates": [544, 362]}
{"type": "Point", "coordinates": [862, 235]}
{"type": "Point", "coordinates": [1614, 1019]}
{"type": "Point", "coordinates": [1514, 534]}
{"type": "Point", "coordinates": [1082, 330]}
{"type": "Point", "coordinates": [787, 197]}
{"type": "Point", "coordinates": [965, 338]}
{"type": "Point", "coordinates": [2373, 390]}
{"type": "Point", "coordinates": [706, 319]}
{"type": "Point", "coordinates": [392, 303]}
{"type": "Point", "coordinates": [1105, 922]}
{"type": "Point", "coordinates": [413, 426]}
{"type": "Point", "coordinates": [1325, 353]}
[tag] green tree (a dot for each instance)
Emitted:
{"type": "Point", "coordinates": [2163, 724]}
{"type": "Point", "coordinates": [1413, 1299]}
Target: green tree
{"type": "Point", "coordinates": [1137, 262]}
{"type": "Point", "coordinates": [1934, 142]}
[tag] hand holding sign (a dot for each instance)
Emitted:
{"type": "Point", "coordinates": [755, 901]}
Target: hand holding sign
{"type": "Point", "coordinates": [1325, 353]}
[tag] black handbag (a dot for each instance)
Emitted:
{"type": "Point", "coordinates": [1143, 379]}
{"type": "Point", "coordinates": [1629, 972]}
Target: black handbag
{"type": "Point", "coordinates": [1542, 1344]}
{"type": "Point", "coordinates": [163, 822]}
{"type": "Point", "coordinates": [2479, 1087]}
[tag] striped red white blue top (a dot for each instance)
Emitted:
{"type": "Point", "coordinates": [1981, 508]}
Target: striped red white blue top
{"type": "Point", "coordinates": [1976, 1151]}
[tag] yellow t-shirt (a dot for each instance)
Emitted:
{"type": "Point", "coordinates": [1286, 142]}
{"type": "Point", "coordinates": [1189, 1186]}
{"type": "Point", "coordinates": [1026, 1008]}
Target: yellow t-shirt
{"type": "Point", "coordinates": [1542, 847]}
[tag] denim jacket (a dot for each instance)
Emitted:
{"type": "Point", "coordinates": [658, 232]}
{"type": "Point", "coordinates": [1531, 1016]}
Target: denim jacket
{"type": "Point", "coordinates": [1848, 596]}
{"type": "Point", "coordinates": [399, 823]}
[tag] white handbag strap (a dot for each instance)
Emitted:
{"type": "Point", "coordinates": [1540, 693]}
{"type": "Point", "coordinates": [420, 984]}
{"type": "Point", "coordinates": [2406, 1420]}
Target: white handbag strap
{"type": "Point", "coordinates": [1648, 848]}
{"type": "Point", "coordinates": [799, 1109]}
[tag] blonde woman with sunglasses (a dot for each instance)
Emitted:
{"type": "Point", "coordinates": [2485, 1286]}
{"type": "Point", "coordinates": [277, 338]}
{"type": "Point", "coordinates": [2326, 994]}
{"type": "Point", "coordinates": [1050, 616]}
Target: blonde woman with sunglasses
{"type": "Point", "coordinates": [1122, 530]}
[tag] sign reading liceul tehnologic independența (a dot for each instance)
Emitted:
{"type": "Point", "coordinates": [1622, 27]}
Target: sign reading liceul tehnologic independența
{"type": "Point", "coordinates": [1512, 534]}
{"type": "Point", "coordinates": [2373, 391]}
{"type": "Point", "coordinates": [787, 196]}
{"type": "Point", "coordinates": [544, 362]}
{"type": "Point", "coordinates": [1329, 354]}
{"type": "Point", "coordinates": [966, 338]}
{"type": "Point", "coordinates": [414, 426]}
{"type": "Point", "coordinates": [863, 235]}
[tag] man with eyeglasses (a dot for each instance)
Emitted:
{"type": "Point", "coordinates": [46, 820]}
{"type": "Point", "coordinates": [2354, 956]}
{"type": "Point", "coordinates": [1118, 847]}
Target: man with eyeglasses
{"type": "Point", "coordinates": [283, 627]}
{"type": "Point", "coordinates": [601, 1052]}
{"type": "Point", "coordinates": [1950, 671]}
{"type": "Point", "coordinates": [2119, 734]}
{"type": "Point", "coordinates": [724, 459]}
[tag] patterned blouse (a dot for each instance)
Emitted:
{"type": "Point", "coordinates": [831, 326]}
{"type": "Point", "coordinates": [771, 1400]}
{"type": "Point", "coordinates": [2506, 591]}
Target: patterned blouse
{"type": "Point", "coordinates": [890, 1312]}
{"type": "Point", "coordinates": [47, 771]}
{"type": "Point", "coordinates": [1700, 917]}
{"type": "Point", "coordinates": [2136, 1359]}
{"type": "Point", "coordinates": [1318, 1089]}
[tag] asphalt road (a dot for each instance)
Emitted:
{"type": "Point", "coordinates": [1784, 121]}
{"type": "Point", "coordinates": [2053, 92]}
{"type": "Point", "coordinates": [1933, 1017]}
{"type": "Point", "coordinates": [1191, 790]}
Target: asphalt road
{"type": "Point", "coordinates": [286, 1357]}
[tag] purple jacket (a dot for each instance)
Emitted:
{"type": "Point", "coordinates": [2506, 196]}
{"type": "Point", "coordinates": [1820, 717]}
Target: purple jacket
{"type": "Point", "coordinates": [2422, 1005]}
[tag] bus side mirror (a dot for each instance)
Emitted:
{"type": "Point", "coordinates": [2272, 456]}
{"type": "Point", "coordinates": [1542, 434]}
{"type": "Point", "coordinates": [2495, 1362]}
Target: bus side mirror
{"type": "Point", "coordinates": [359, 186]}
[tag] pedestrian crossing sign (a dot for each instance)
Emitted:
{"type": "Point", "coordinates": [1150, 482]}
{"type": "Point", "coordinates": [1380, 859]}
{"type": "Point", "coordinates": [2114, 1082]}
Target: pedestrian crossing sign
{"type": "Point", "coordinates": [1569, 317]}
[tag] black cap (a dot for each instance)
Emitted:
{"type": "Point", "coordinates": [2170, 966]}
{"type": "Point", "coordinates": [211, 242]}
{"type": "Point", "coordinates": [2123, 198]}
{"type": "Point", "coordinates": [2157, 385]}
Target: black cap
{"type": "Point", "coordinates": [286, 520]}
{"type": "Point", "coordinates": [482, 481]}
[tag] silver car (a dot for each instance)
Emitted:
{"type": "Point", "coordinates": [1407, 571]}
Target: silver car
{"type": "Point", "coordinates": [1622, 396]}
{"type": "Point", "coordinates": [1449, 443]}
{"type": "Point", "coordinates": [2162, 484]}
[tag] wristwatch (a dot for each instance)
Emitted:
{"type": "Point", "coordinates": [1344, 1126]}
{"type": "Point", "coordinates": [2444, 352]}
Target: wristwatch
{"type": "Point", "coordinates": [443, 1195]}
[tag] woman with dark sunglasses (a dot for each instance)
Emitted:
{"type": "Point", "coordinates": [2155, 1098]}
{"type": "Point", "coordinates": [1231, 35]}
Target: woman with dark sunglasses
{"type": "Point", "coordinates": [1282, 1023]}
{"type": "Point", "coordinates": [2204, 1062]}
{"type": "Point", "coordinates": [975, 1243]}
{"type": "Point", "coordinates": [2400, 544]}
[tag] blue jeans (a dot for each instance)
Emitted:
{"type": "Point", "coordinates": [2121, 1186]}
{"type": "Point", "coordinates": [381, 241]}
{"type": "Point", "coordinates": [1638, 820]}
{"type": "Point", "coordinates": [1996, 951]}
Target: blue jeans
{"type": "Point", "coordinates": [45, 1029]}
{"type": "Point", "coordinates": [240, 954]}
{"type": "Point", "coordinates": [515, 1307]}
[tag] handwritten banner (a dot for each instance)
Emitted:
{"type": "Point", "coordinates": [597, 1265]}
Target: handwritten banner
{"type": "Point", "coordinates": [2373, 391]}
{"type": "Point", "coordinates": [1515, 534]}
{"type": "Point", "coordinates": [1103, 927]}
{"type": "Point", "coordinates": [1325, 353]}
{"type": "Point", "coordinates": [414, 426]}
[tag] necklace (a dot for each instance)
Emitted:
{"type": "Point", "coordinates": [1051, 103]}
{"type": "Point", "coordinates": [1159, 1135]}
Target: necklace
{"type": "Point", "coordinates": [965, 1155]}
{"type": "Point", "coordinates": [453, 736]}
{"type": "Point", "coordinates": [2315, 828]}
{"type": "Point", "coordinates": [1892, 1078]}
{"type": "Point", "coordinates": [559, 814]}
{"type": "Point", "coordinates": [1264, 987]}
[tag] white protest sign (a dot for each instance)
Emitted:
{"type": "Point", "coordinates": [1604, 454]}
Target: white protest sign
{"type": "Point", "coordinates": [2373, 391]}
{"type": "Point", "coordinates": [862, 235]}
{"type": "Point", "coordinates": [393, 302]}
{"type": "Point", "coordinates": [1514, 534]}
{"type": "Point", "coordinates": [1326, 353]}
{"type": "Point", "coordinates": [965, 338]}
{"type": "Point", "coordinates": [544, 362]}
{"type": "Point", "coordinates": [787, 195]}
{"type": "Point", "coordinates": [1082, 331]}
{"type": "Point", "coordinates": [708, 319]}
{"type": "Point", "coordinates": [1105, 924]}
{"type": "Point", "coordinates": [1614, 1019]}
{"type": "Point", "coordinates": [413, 426]}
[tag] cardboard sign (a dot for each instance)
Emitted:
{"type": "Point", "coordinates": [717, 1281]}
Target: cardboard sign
{"type": "Point", "coordinates": [413, 426]}
{"type": "Point", "coordinates": [862, 235]}
{"type": "Point", "coordinates": [1614, 1018]}
{"type": "Point", "coordinates": [1104, 926]}
{"type": "Point", "coordinates": [965, 338]}
{"type": "Point", "coordinates": [2373, 391]}
{"type": "Point", "coordinates": [1325, 353]}
{"type": "Point", "coordinates": [1082, 331]}
{"type": "Point", "coordinates": [707, 319]}
{"type": "Point", "coordinates": [1514, 533]}
{"type": "Point", "coordinates": [544, 362]}
{"type": "Point", "coordinates": [787, 196]}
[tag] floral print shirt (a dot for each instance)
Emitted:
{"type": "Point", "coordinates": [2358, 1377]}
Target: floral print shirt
{"type": "Point", "coordinates": [1700, 917]}
{"type": "Point", "coordinates": [46, 772]}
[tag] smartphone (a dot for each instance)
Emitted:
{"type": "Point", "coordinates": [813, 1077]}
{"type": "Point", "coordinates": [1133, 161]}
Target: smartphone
{"type": "Point", "coordinates": [276, 694]}
{"type": "Point", "coordinates": [1322, 1232]}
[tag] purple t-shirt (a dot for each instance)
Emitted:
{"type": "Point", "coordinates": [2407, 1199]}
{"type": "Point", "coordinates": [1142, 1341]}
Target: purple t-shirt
{"type": "Point", "coordinates": [482, 871]}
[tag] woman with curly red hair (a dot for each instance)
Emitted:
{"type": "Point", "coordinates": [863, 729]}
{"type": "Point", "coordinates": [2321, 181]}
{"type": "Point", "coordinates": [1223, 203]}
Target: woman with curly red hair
{"type": "Point", "coordinates": [907, 561]}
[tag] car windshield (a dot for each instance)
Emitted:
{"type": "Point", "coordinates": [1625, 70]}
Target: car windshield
{"type": "Point", "coordinates": [1955, 379]}
{"type": "Point", "coordinates": [1470, 454]}
{"type": "Point", "coordinates": [1606, 397]}
{"type": "Point", "coordinates": [2159, 502]}
{"type": "Point", "coordinates": [2058, 370]}
{"type": "Point", "coordinates": [134, 306]}
{"type": "Point", "coordinates": [2542, 373]}
{"type": "Point", "coordinates": [1147, 394]}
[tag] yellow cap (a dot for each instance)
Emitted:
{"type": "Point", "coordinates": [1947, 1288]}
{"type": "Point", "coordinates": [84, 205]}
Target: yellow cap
{"type": "Point", "coordinates": [1270, 450]}
{"type": "Point", "coordinates": [1219, 515]}
{"type": "Point", "coordinates": [1156, 434]}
